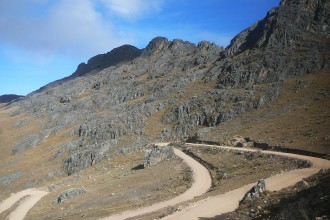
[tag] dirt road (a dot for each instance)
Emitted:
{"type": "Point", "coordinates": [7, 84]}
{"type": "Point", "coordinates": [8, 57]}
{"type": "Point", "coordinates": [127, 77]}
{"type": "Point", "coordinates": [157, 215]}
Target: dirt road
{"type": "Point", "coordinates": [206, 208]}
{"type": "Point", "coordinates": [228, 202]}
{"type": "Point", "coordinates": [32, 197]}
{"type": "Point", "coordinates": [202, 182]}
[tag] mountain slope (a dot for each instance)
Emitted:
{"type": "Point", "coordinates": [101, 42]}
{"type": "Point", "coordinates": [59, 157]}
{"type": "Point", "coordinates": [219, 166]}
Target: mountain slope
{"type": "Point", "coordinates": [171, 90]}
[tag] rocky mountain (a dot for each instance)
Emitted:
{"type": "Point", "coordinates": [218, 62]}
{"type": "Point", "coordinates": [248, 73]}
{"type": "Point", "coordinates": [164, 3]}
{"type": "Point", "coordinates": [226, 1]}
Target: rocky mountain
{"type": "Point", "coordinates": [174, 90]}
{"type": "Point", "coordinates": [102, 61]}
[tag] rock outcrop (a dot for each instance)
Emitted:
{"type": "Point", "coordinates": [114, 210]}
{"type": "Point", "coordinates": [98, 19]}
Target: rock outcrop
{"type": "Point", "coordinates": [156, 154]}
{"type": "Point", "coordinates": [88, 155]}
{"type": "Point", "coordinates": [112, 58]}
{"type": "Point", "coordinates": [255, 192]}
{"type": "Point", "coordinates": [69, 194]}
{"type": "Point", "coordinates": [291, 40]}
{"type": "Point", "coordinates": [173, 90]}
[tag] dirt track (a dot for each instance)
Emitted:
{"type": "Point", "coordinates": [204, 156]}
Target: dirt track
{"type": "Point", "coordinates": [206, 208]}
{"type": "Point", "coordinates": [33, 196]}
{"type": "Point", "coordinates": [213, 206]}
{"type": "Point", "coordinates": [202, 182]}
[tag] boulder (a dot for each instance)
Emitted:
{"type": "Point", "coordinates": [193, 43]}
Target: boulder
{"type": "Point", "coordinates": [69, 194]}
{"type": "Point", "coordinates": [157, 154]}
{"type": "Point", "coordinates": [65, 99]}
{"type": "Point", "coordinates": [325, 171]}
{"type": "Point", "coordinates": [255, 191]}
{"type": "Point", "coordinates": [238, 141]}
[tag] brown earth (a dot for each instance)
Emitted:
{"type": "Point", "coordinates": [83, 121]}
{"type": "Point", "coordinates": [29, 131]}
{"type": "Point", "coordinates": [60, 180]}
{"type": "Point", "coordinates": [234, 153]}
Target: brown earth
{"type": "Point", "coordinates": [309, 199]}
{"type": "Point", "coordinates": [243, 168]}
{"type": "Point", "coordinates": [213, 206]}
{"type": "Point", "coordinates": [299, 118]}
{"type": "Point", "coordinates": [115, 186]}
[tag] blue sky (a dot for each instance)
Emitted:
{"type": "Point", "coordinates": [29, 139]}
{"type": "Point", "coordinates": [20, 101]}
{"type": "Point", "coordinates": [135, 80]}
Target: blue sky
{"type": "Point", "coordinates": [44, 40]}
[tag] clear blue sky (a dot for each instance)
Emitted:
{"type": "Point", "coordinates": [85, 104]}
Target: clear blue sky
{"type": "Point", "coordinates": [44, 40]}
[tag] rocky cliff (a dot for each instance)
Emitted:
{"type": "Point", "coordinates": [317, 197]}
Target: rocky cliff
{"type": "Point", "coordinates": [112, 58]}
{"type": "Point", "coordinates": [174, 90]}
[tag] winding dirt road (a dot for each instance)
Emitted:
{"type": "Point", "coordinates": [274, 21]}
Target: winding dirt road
{"type": "Point", "coordinates": [213, 206]}
{"type": "Point", "coordinates": [201, 183]}
{"type": "Point", "coordinates": [207, 208]}
{"type": "Point", "coordinates": [32, 197]}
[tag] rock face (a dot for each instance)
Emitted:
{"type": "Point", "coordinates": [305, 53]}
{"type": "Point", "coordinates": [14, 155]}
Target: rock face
{"type": "Point", "coordinates": [102, 61]}
{"type": "Point", "coordinates": [264, 48]}
{"type": "Point", "coordinates": [157, 154]}
{"type": "Point", "coordinates": [69, 194]}
{"type": "Point", "coordinates": [255, 191]}
{"type": "Point", "coordinates": [175, 90]}
{"type": "Point", "coordinates": [89, 155]}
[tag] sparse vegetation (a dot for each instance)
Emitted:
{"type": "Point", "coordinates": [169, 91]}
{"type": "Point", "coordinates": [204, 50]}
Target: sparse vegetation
{"type": "Point", "coordinates": [271, 84]}
{"type": "Point", "coordinates": [233, 169]}
{"type": "Point", "coordinates": [308, 200]}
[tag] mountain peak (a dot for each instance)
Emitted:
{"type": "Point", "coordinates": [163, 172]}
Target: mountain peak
{"type": "Point", "coordinates": [112, 58]}
{"type": "Point", "coordinates": [284, 26]}
{"type": "Point", "coordinates": [156, 45]}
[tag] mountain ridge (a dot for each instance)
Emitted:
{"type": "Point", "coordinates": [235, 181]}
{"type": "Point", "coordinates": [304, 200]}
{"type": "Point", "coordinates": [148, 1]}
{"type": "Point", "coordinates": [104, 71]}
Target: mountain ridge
{"type": "Point", "coordinates": [6, 98]}
{"type": "Point", "coordinates": [268, 88]}
{"type": "Point", "coordinates": [170, 90]}
{"type": "Point", "coordinates": [177, 85]}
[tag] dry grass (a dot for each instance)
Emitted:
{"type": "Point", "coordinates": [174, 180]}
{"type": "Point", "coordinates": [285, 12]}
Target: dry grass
{"type": "Point", "coordinates": [301, 201]}
{"type": "Point", "coordinates": [154, 125]}
{"type": "Point", "coordinates": [33, 164]}
{"type": "Point", "coordinates": [241, 168]}
{"type": "Point", "coordinates": [299, 118]}
{"type": "Point", "coordinates": [10, 135]}
{"type": "Point", "coordinates": [113, 187]}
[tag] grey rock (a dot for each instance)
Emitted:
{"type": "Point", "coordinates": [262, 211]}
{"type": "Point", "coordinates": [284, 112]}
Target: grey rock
{"type": "Point", "coordinates": [155, 46]}
{"type": "Point", "coordinates": [69, 194]}
{"type": "Point", "coordinates": [303, 184]}
{"type": "Point", "coordinates": [255, 191]}
{"type": "Point", "coordinates": [29, 142]}
{"type": "Point", "coordinates": [8, 179]}
{"type": "Point", "coordinates": [272, 43]}
{"type": "Point", "coordinates": [222, 174]}
{"type": "Point", "coordinates": [155, 155]}
{"type": "Point", "coordinates": [102, 61]}
{"type": "Point", "coordinates": [176, 85]}
{"type": "Point", "coordinates": [238, 141]}
{"type": "Point", "coordinates": [65, 99]}
{"type": "Point", "coordinates": [20, 124]}
{"type": "Point", "coordinates": [89, 155]}
{"type": "Point", "coordinates": [325, 171]}
{"type": "Point", "coordinates": [78, 161]}
{"type": "Point", "coordinates": [53, 187]}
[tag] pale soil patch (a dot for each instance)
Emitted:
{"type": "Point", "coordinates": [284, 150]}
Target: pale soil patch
{"type": "Point", "coordinates": [28, 198]}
